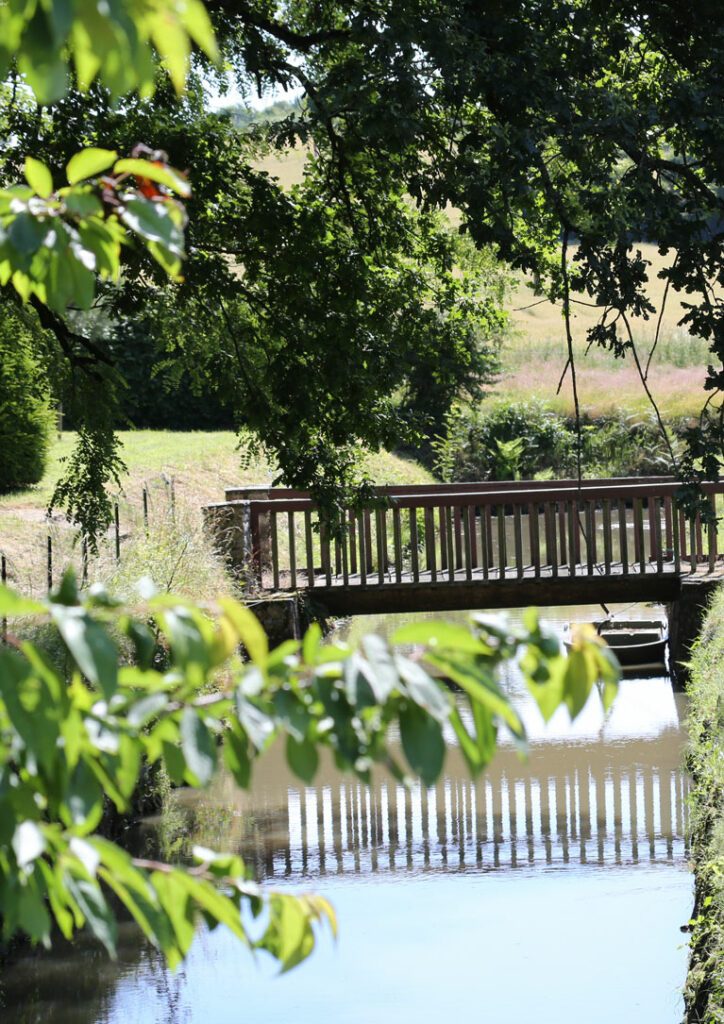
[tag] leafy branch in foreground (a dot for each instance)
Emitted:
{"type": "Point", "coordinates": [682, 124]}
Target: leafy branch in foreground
{"type": "Point", "coordinates": [188, 701]}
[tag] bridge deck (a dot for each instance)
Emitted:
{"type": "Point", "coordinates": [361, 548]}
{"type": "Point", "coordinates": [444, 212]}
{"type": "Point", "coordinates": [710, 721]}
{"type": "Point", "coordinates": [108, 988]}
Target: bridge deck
{"type": "Point", "coordinates": [460, 592]}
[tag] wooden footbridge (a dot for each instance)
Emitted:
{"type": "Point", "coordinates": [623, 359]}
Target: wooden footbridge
{"type": "Point", "coordinates": [474, 545]}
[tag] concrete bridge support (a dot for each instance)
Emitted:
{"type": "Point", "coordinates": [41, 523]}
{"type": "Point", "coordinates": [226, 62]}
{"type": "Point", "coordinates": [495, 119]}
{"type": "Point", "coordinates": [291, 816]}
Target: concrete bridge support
{"type": "Point", "coordinates": [686, 615]}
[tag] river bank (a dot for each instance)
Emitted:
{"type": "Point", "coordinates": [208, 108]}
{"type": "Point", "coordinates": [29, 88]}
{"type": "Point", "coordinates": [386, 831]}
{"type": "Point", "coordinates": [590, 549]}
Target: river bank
{"type": "Point", "coordinates": [704, 991]}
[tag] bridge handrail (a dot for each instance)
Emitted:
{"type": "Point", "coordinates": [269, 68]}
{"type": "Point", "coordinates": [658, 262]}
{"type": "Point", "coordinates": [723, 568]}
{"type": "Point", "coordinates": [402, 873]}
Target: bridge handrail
{"type": "Point", "coordinates": [497, 497]}
{"type": "Point", "coordinates": [260, 491]}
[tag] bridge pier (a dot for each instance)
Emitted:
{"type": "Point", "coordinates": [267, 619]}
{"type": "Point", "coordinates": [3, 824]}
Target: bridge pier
{"type": "Point", "coordinates": [686, 616]}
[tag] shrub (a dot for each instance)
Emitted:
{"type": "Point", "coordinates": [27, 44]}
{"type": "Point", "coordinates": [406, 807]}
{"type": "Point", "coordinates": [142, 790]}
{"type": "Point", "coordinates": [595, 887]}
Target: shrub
{"type": "Point", "coordinates": [521, 440]}
{"type": "Point", "coordinates": [25, 417]}
{"type": "Point", "coordinates": [477, 444]}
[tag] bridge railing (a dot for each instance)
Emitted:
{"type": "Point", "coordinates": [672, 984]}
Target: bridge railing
{"type": "Point", "coordinates": [491, 532]}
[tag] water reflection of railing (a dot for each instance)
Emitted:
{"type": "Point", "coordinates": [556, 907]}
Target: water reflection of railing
{"type": "Point", "coordinates": [584, 815]}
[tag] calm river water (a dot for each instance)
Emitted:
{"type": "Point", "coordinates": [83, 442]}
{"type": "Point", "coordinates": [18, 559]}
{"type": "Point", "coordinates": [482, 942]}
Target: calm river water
{"type": "Point", "coordinates": [551, 890]}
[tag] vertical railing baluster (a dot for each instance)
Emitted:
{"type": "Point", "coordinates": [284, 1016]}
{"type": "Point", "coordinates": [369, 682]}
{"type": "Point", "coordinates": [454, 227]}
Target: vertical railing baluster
{"type": "Point", "coordinates": [484, 544]}
{"type": "Point", "coordinates": [669, 527]}
{"type": "Point", "coordinates": [534, 523]}
{"type": "Point", "coordinates": [562, 547]}
{"type": "Point", "coordinates": [450, 543]}
{"type": "Point", "coordinates": [414, 553]}
{"type": "Point", "coordinates": [682, 535]}
{"type": "Point", "coordinates": [555, 558]}
{"type": "Point", "coordinates": [325, 552]}
{"type": "Point", "coordinates": [443, 537]}
{"type": "Point", "coordinates": [590, 537]}
{"type": "Point", "coordinates": [712, 533]}
{"type": "Point", "coordinates": [366, 519]}
{"type": "Point", "coordinates": [467, 537]}
{"type": "Point", "coordinates": [363, 555]}
{"type": "Point", "coordinates": [352, 543]}
{"type": "Point", "coordinates": [470, 511]}
{"type": "Point", "coordinates": [653, 509]}
{"type": "Point", "coordinates": [577, 533]}
{"type": "Point", "coordinates": [676, 536]}
{"type": "Point", "coordinates": [693, 547]}
{"type": "Point", "coordinates": [274, 550]}
{"type": "Point", "coordinates": [292, 550]}
{"type": "Point", "coordinates": [502, 547]}
{"type": "Point", "coordinates": [518, 541]}
{"type": "Point", "coordinates": [657, 533]}
{"type": "Point", "coordinates": [255, 565]}
{"type": "Point", "coordinates": [397, 541]}
{"type": "Point", "coordinates": [345, 557]}
{"type": "Point", "coordinates": [338, 550]}
{"type": "Point", "coordinates": [430, 544]}
{"type": "Point", "coordinates": [639, 533]}
{"type": "Point", "coordinates": [699, 539]}
{"type": "Point", "coordinates": [380, 522]}
{"type": "Point", "coordinates": [572, 534]}
{"type": "Point", "coordinates": [623, 534]}
{"type": "Point", "coordinates": [457, 523]}
{"type": "Point", "coordinates": [607, 538]}
{"type": "Point", "coordinates": [309, 547]}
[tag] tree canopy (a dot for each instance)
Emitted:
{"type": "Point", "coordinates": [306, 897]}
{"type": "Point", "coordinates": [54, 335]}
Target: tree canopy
{"type": "Point", "coordinates": [342, 310]}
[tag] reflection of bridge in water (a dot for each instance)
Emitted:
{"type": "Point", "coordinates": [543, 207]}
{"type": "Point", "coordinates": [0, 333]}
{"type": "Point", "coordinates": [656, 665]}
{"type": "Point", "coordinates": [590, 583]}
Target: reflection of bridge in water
{"type": "Point", "coordinates": [600, 803]}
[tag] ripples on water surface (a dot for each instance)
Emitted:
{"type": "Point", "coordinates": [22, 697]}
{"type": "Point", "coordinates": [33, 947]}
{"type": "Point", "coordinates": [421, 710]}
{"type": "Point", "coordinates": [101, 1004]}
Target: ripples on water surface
{"type": "Point", "coordinates": [550, 890]}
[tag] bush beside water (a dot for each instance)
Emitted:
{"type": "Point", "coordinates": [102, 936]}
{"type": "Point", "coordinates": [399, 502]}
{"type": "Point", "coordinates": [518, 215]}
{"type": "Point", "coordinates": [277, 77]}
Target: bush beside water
{"type": "Point", "coordinates": [704, 989]}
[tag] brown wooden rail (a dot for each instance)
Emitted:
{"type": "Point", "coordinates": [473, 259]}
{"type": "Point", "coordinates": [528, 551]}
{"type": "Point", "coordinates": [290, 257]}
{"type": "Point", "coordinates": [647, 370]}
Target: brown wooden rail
{"type": "Point", "coordinates": [490, 532]}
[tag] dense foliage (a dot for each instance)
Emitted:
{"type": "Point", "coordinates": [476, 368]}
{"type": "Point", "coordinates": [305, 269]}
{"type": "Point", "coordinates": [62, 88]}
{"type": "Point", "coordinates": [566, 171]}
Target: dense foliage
{"type": "Point", "coordinates": [164, 683]}
{"type": "Point", "coordinates": [25, 419]}
{"type": "Point", "coordinates": [704, 988]}
{"type": "Point", "coordinates": [522, 440]}
{"type": "Point", "coordinates": [542, 125]}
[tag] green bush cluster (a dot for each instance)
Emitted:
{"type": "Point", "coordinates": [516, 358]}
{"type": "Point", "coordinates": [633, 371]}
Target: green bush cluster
{"type": "Point", "coordinates": [25, 417]}
{"type": "Point", "coordinates": [522, 440]}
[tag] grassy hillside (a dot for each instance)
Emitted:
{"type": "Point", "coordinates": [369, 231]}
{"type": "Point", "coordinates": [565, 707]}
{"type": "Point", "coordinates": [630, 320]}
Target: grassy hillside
{"type": "Point", "coordinates": [201, 465]}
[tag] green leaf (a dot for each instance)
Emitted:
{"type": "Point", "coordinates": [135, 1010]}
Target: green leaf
{"type": "Point", "coordinates": [95, 910]}
{"type": "Point", "coordinates": [443, 635]}
{"type": "Point", "coordinates": [248, 629]}
{"type": "Point", "coordinates": [577, 682]}
{"type": "Point", "coordinates": [236, 757]}
{"type": "Point", "coordinates": [87, 640]}
{"type": "Point", "coordinates": [422, 742]}
{"type": "Point", "coordinates": [83, 799]}
{"type": "Point", "coordinates": [28, 843]}
{"type": "Point", "coordinates": [198, 747]}
{"type": "Point", "coordinates": [380, 670]}
{"type": "Point", "coordinates": [160, 173]}
{"type": "Point", "coordinates": [424, 691]}
{"type": "Point", "coordinates": [12, 604]}
{"type": "Point", "coordinates": [302, 758]}
{"type": "Point", "coordinates": [38, 177]}
{"type": "Point", "coordinates": [33, 916]}
{"type": "Point", "coordinates": [311, 644]}
{"type": "Point", "coordinates": [88, 163]}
